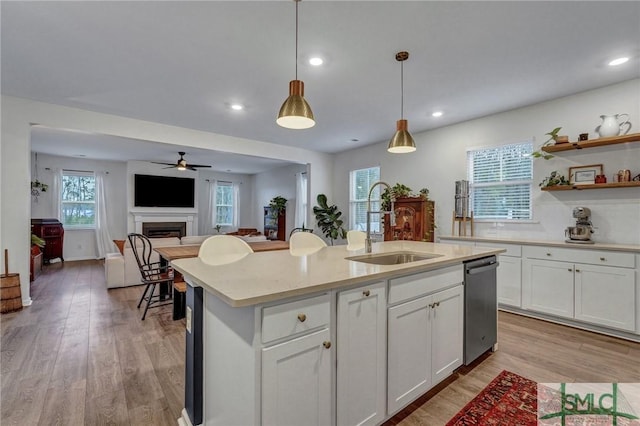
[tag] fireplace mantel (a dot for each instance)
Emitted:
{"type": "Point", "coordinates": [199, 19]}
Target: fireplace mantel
{"type": "Point", "coordinates": [142, 216]}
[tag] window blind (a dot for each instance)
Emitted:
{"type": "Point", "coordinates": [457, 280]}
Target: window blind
{"type": "Point", "coordinates": [501, 179]}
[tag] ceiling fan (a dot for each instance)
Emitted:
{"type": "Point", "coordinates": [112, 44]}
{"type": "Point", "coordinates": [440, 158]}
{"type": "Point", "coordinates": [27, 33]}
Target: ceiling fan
{"type": "Point", "coordinates": [181, 164]}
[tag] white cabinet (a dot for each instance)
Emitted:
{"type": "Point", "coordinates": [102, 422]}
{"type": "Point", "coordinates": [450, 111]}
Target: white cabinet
{"type": "Point", "coordinates": [605, 296]}
{"type": "Point", "coordinates": [425, 344]}
{"type": "Point", "coordinates": [509, 280]}
{"type": "Point", "coordinates": [547, 286]}
{"type": "Point", "coordinates": [296, 381]}
{"type": "Point", "coordinates": [296, 368]}
{"type": "Point", "coordinates": [447, 328]}
{"type": "Point", "coordinates": [361, 353]}
{"type": "Point", "coordinates": [602, 295]}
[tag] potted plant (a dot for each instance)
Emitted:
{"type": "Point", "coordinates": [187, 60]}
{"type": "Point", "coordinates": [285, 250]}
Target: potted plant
{"type": "Point", "coordinates": [553, 136]}
{"type": "Point", "coordinates": [554, 179]}
{"type": "Point", "coordinates": [328, 218]}
{"type": "Point", "coordinates": [277, 205]}
{"type": "Point", "coordinates": [398, 190]}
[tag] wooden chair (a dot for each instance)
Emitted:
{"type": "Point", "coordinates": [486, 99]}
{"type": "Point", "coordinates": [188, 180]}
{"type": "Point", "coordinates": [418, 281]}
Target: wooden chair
{"type": "Point", "coordinates": [304, 243]}
{"type": "Point", "coordinates": [152, 273]}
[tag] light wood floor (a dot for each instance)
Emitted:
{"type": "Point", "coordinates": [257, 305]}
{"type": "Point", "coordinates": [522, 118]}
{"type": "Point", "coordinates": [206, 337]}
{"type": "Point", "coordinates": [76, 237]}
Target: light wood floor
{"type": "Point", "coordinates": [80, 355]}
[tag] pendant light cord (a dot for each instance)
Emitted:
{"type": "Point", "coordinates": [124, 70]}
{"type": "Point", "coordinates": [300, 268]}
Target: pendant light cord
{"type": "Point", "coordinates": [402, 90]}
{"type": "Point", "coordinates": [297, 1]}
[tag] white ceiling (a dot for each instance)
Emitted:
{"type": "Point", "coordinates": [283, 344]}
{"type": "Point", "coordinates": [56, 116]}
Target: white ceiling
{"type": "Point", "coordinates": [183, 63]}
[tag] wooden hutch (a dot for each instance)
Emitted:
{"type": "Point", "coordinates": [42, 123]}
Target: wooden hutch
{"type": "Point", "coordinates": [52, 232]}
{"type": "Point", "coordinates": [414, 220]}
{"type": "Point", "coordinates": [274, 225]}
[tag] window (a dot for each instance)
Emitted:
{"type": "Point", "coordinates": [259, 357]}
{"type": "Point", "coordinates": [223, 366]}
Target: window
{"type": "Point", "coordinates": [501, 179]}
{"type": "Point", "coordinates": [78, 199]}
{"type": "Point", "coordinates": [360, 182]}
{"type": "Point", "coordinates": [224, 204]}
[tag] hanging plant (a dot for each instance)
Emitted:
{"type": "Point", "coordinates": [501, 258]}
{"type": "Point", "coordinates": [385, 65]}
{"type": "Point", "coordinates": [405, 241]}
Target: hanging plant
{"type": "Point", "coordinates": [277, 205]}
{"type": "Point", "coordinates": [38, 187]}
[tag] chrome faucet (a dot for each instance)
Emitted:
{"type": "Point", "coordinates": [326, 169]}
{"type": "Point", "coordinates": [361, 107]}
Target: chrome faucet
{"type": "Point", "coordinates": [392, 219]}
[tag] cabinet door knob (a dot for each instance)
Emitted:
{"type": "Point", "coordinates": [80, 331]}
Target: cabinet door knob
{"type": "Point", "coordinates": [577, 270]}
{"type": "Point", "coordinates": [603, 259]}
{"type": "Point", "coordinates": [366, 293]}
{"type": "Point", "coordinates": [327, 344]}
{"type": "Point", "coordinates": [302, 317]}
{"type": "Point", "coordinates": [548, 254]}
{"type": "Point", "coordinates": [570, 270]}
{"type": "Point", "coordinates": [437, 303]}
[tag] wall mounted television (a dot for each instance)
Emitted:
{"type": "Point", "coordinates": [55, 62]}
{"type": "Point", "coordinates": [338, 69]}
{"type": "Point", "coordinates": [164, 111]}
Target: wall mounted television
{"type": "Point", "coordinates": [163, 191]}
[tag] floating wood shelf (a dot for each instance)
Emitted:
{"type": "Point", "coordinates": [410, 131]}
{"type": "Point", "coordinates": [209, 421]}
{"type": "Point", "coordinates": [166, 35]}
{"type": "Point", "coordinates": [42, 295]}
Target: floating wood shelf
{"type": "Point", "coordinates": [634, 184]}
{"type": "Point", "coordinates": [569, 146]}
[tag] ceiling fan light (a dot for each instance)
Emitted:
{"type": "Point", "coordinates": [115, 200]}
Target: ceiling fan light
{"type": "Point", "coordinates": [295, 112]}
{"type": "Point", "coordinates": [402, 142]}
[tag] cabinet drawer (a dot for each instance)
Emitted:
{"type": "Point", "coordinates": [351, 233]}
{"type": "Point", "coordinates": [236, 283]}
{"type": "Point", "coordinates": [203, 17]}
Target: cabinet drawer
{"type": "Point", "coordinates": [411, 286]}
{"type": "Point", "coordinates": [592, 257]}
{"type": "Point", "coordinates": [511, 249]}
{"type": "Point", "coordinates": [51, 231]}
{"type": "Point", "coordinates": [295, 317]}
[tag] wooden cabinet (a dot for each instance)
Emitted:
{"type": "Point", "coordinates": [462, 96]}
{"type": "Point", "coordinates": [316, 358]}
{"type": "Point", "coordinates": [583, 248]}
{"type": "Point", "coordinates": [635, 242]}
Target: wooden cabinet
{"type": "Point", "coordinates": [361, 350]}
{"type": "Point", "coordinates": [414, 220]}
{"type": "Point", "coordinates": [274, 225]}
{"type": "Point", "coordinates": [52, 232]}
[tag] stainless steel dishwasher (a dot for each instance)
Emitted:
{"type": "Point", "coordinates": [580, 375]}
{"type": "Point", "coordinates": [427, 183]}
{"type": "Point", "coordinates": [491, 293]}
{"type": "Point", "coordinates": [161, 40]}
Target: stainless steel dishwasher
{"type": "Point", "coordinates": [480, 307]}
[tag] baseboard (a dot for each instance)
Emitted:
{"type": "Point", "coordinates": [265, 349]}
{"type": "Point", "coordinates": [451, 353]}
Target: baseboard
{"type": "Point", "coordinates": [570, 323]}
{"type": "Point", "coordinates": [75, 259]}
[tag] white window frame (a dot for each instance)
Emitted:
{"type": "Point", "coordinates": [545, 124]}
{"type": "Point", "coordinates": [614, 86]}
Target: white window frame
{"type": "Point", "coordinates": [229, 185]}
{"type": "Point", "coordinates": [355, 202]}
{"type": "Point", "coordinates": [63, 202]}
{"type": "Point", "coordinates": [527, 147]}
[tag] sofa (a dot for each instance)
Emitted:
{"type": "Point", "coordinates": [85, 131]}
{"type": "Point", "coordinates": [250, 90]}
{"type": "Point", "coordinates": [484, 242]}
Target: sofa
{"type": "Point", "coordinates": [121, 268]}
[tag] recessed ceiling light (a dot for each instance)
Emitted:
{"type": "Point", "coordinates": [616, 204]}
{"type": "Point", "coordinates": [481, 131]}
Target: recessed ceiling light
{"type": "Point", "coordinates": [437, 114]}
{"type": "Point", "coordinates": [618, 61]}
{"type": "Point", "coordinates": [316, 61]}
{"type": "Point", "coordinates": [237, 107]}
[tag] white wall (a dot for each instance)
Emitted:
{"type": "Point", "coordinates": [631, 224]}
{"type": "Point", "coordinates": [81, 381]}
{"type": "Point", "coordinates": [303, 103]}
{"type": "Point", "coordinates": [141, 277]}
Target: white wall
{"type": "Point", "coordinates": [246, 208]}
{"type": "Point", "coordinates": [440, 160]}
{"type": "Point", "coordinates": [19, 114]}
{"type": "Point", "coordinates": [81, 243]}
{"type": "Point", "coordinates": [282, 182]}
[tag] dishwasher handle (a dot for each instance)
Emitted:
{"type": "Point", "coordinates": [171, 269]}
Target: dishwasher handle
{"type": "Point", "coordinates": [481, 269]}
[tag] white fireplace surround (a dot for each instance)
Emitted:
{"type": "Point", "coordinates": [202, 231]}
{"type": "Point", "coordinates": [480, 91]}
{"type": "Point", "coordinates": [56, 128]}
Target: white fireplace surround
{"type": "Point", "coordinates": [141, 217]}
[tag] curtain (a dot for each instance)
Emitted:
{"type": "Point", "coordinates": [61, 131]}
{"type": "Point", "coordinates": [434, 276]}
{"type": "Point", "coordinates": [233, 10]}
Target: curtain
{"type": "Point", "coordinates": [56, 193]}
{"type": "Point", "coordinates": [104, 242]}
{"type": "Point", "coordinates": [236, 209]}
{"type": "Point", "coordinates": [301, 201]}
{"type": "Point", "coordinates": [208, 219]}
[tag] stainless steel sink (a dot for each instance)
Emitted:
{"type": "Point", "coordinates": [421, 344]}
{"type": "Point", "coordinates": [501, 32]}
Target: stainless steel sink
{"type": "Point", "coordinates": [394, 258]}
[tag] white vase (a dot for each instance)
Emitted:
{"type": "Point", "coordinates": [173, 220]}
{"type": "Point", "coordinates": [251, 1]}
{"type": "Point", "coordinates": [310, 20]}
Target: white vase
{"type": "Point", "coordinates": [610, 125]}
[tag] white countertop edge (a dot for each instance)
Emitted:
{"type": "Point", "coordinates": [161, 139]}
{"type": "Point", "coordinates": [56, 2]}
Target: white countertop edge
{"type": "Point", "coordinates": [272, 288]}
{"type": "Point", "coordinates": [595, 246]}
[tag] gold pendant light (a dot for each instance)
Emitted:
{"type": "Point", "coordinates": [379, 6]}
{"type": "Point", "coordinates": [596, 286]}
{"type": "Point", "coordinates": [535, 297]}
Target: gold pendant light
{"type": "Point", "coordinates": [295, 112]}
{"type": "Point", "coordinates": [401, 142]}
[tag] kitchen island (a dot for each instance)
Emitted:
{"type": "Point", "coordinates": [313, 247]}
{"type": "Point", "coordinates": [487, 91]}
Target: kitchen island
{"type": "Point", "coordinates": [321, 339]}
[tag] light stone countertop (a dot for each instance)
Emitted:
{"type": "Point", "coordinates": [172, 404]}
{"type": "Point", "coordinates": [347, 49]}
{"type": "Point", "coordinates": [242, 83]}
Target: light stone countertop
{"type": "Point", "coordinates": [595, 246]}
{"type": "Point", "coordinates": [275, 275]}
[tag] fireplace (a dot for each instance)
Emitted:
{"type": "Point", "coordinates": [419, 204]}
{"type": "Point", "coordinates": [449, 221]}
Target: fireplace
{"type": "Point", "coordinates": [164, 229]}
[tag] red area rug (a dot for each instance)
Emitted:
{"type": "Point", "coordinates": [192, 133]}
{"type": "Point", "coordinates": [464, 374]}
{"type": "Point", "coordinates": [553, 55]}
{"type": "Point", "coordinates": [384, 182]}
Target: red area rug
{"type": "Point", "coordinates": [508, 400]}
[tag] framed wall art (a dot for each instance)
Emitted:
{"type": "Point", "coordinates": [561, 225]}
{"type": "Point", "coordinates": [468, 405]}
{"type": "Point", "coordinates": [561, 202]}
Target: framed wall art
{"type": "Point", "coordinates": [584, 175]}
